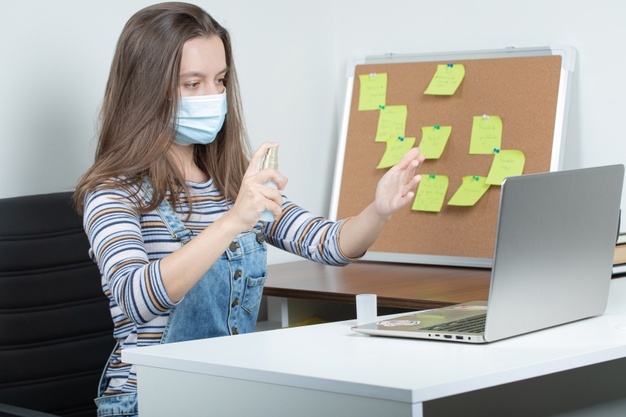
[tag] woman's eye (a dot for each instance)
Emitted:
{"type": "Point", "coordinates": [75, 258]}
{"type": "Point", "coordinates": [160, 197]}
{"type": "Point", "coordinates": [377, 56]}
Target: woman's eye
{"type": "Point", "coordinates": [192, 85]}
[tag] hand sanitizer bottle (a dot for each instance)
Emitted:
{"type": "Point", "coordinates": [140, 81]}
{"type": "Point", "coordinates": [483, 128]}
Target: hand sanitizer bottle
{"type": "Point", "coordinates": [270, 161]}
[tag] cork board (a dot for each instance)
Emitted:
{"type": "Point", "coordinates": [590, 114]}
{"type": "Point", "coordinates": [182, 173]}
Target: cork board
{"type": "Point", "coordinates": [525, 91]}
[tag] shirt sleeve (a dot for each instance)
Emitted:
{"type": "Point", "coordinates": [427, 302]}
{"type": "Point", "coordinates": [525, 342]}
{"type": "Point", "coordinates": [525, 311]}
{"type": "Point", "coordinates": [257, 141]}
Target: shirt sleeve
{"type": "Point", "coordinates": [113, 228]}
{"type": "Point", "coordinates": [311, 237]}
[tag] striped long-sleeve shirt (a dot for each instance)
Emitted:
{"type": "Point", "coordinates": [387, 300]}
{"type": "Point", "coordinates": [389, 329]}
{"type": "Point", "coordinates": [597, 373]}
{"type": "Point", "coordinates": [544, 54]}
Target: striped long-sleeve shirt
{"type": "Point", "coordinates": [128, 246]}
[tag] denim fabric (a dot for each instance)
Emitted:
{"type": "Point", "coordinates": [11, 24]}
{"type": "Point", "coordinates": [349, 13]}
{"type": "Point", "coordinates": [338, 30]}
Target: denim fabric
{"type": "Point", "coordinates": [173, 224]}
{"type": "Point", "coordinates": [115, 405]}
{"type": "Point", "coordinates": [227, 298]}
{"type": "Point", "coordinates": [176, 228]}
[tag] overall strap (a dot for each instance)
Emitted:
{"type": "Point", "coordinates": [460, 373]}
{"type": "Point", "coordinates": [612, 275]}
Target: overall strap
{"type": "Point", "coordinates": [176, 227]}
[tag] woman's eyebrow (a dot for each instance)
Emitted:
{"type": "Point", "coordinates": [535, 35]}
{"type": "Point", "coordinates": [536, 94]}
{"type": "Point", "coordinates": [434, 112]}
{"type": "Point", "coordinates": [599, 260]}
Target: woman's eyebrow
{"type": "Point", "coordinates": [190, 74]}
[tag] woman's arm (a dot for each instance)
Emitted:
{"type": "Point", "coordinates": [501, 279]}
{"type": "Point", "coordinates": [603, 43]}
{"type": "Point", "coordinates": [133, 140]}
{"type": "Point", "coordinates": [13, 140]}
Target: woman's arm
{"type": "Point", "coordinates": [395, 190]}
{"type": "Point", "coordinates": [112, 225]}
{"type": "Point", "coordinates": [338, 243]}
{"type": "Point", "coordinates": [145, 288]}
{"type": "Point", "coordinates": [181, 269]}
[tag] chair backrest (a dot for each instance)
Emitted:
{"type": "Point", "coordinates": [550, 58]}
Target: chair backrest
{"type": "Point", "coordinates": [55, 326]}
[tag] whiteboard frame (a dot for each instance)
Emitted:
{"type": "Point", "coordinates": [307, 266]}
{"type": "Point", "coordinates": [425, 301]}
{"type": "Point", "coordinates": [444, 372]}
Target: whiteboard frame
{"type": "Point", "coordinates": [568, 64]}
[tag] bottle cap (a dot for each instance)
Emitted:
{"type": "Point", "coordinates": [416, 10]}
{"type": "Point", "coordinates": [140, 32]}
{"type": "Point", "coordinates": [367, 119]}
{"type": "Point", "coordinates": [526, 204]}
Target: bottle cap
{"type": "Point", "coordinates": [271, 159]}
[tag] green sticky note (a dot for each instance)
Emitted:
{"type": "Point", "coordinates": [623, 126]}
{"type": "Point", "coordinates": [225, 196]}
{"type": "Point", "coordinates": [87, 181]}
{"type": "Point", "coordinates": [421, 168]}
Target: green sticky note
{"type": "Point", "coordinates": [431, 192]}
{"type": "Point", "coordinates": [373, 92]}
{"type": "Point", "coordinates": [391, 123]}
{"type": "Point", "coordinates": [434, 140]}
{"type": "Point", "coordinates": [446, 80]}
{"type": "Point", "coordinates": [470, 191]}
{"type": "Point", "coordinates": [486, 135]}
{"type": "Point", "coordinates": [506, 163]}
{"type": "Point", "coordinates": [396, 149]}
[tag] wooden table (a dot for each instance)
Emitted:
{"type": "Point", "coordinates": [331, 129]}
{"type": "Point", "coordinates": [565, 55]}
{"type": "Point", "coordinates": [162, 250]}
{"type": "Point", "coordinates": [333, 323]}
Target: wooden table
{"type": "Point", "coordinates": [397, 286]}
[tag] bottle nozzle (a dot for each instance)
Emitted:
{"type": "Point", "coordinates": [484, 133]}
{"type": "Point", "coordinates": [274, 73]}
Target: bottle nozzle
{"type": "Point", "coordinates": [271, 159]}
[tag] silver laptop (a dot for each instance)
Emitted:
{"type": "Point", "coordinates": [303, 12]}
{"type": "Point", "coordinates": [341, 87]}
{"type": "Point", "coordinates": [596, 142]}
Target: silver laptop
{"type": "Point", "coordinates": [552, 263]}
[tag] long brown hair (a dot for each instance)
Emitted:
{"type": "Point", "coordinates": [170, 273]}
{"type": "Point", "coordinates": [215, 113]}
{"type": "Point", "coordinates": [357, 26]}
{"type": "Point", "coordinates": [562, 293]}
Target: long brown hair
{"type": "Point", "coordinates": [140, 101]}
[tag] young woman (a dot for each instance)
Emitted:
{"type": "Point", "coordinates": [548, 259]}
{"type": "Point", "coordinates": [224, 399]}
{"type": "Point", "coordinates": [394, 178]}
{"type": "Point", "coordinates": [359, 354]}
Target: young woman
{"type": "Point", "coordinates": [172, 203]}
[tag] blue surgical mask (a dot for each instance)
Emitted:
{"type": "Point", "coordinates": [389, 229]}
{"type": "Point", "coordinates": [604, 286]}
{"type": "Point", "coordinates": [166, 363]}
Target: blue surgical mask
{"type": "Point", "coordinates": [200, 118]}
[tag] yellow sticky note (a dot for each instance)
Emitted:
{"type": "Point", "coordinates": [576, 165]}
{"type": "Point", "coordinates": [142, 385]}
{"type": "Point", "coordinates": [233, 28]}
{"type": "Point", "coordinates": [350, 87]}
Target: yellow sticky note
{"type": "Point", "coordinates": [373, 92]}
{"type": "Point", "coordinates": [396, 149]}
{"type": "Point", "coordinates": [446, 80]}
{"type": "Point", "coordinates": [434, 140]}
{"type": "Point", "coordinates": [506, 163]}
{"type": "Point", "coordinates": [391, 123]}
{"type": "Point", "coordinates": [486, 134]}
{"type": "Point", "coordinates": [470, 191]}
{"type": "Point", "coordinates": [431, 192]}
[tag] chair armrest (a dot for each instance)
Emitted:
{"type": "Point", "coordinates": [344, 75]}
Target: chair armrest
{"type": "Point", "coordinates": [7, 410]}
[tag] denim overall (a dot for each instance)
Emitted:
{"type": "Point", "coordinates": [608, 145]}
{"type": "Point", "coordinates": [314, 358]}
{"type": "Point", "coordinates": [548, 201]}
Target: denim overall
{"type": "Point", "coordinates": [224, 301]}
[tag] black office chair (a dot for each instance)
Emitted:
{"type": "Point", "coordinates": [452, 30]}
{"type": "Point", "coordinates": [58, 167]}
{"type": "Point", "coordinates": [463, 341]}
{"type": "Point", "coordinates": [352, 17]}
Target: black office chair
{"type": "Point", "coordinates": [55, 326]}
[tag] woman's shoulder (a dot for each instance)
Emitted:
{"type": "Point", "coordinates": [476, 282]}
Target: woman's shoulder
{"type": "Point", "coordinates": [114, 192]}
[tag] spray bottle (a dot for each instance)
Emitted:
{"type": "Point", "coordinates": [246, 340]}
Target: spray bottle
{"type": "Point", "coordinates": [270, 161]}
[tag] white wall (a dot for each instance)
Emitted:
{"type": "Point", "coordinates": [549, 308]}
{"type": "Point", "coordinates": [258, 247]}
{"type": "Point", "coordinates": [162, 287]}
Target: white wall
{"type": "Point", "coordinates": [291, 58]}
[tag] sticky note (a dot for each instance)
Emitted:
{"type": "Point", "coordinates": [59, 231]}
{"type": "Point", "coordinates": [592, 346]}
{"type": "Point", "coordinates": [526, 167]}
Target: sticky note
{"type": "Point", "coordinates": [391, 123]}
{"type": "Point", "coordinates": [431, 192]}
{"type": "Point", "coordinates": [373, 92]}
{"type": "Point", "coordinates": [486, 134]}
{"type": "Point", "coordinates": [506, 163]}
{"type": "Point", "coordinates": [470, 191]}
{"type": "Point", "coordinates": [446, 80]}
{"type": "Point", "coordinates": [396, 149]}
{"type": "Point", "coordinates": [434, 140]}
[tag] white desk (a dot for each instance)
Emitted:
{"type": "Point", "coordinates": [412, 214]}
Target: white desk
{"type": "Point", "coordinates": [327, 370]}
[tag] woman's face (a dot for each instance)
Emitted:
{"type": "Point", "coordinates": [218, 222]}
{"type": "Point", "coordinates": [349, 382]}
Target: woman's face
{"type": "Point", "coordinates": [202, 67]}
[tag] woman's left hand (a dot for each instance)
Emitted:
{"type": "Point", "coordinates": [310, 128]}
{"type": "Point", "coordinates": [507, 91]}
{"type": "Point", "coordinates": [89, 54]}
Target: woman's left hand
{"type": "Point", "coordinates": [397, 187]}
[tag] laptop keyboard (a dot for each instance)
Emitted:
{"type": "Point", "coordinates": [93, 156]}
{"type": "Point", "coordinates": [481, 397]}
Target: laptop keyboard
{"type": "Point", "coordinates": [475, 324]}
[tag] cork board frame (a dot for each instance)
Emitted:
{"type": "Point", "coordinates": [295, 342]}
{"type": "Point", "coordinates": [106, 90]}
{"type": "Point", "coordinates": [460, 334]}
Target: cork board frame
{"type": "Point", "coordinates": [527, 88]}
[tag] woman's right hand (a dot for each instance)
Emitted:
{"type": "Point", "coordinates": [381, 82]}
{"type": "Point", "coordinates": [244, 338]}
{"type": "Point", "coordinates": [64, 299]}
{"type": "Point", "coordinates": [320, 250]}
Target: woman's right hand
{"type": "Point", "coordinates": [254, 196]}
{"type": "Point", "coordinates": [181, 269]}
